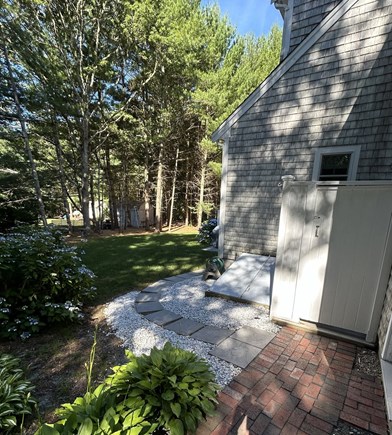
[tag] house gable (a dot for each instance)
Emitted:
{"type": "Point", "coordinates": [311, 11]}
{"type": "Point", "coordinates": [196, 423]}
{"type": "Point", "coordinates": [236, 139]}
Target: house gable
{"type": "Point", "coordinates": [283, 67]}
{"type": "Point", "coordinates": [337, 93]}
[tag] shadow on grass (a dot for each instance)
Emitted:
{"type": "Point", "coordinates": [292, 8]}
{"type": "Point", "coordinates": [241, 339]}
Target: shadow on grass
{"type": "Point", "coordinates": [132, 262]}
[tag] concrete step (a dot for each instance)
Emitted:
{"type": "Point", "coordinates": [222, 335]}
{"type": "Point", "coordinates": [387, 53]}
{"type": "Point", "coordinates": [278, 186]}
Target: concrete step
{"type": "Point", "coordinates": [249, 278]}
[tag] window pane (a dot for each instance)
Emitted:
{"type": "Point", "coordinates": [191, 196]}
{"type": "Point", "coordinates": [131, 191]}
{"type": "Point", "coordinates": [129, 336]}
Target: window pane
{"type": "Point", "coordinates": [334, 167]}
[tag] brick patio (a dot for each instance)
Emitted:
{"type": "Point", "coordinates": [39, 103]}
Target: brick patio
{"type": "Point", "coordinates": [300, 383]}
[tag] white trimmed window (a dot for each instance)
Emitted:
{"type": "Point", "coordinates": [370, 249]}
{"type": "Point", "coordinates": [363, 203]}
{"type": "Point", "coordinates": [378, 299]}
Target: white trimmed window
{"type": "Point", "coordinates": [336, 163]}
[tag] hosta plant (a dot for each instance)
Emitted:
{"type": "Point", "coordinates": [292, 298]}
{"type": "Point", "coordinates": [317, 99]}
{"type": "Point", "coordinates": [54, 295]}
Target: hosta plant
{"type": "Point", "coordinates": [42, 280]}
{"type": "Point", "coordinates": [15, 395]}
{"type": "Point", "coordinates": [170, 388]}
{"type": "Point", "coordinates": [101, 412]}
{"type": "Point", "coordinates": [177, 385]}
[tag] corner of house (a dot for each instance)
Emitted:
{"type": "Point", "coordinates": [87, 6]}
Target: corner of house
{"type": "Point", "coordinates": [386, 368]}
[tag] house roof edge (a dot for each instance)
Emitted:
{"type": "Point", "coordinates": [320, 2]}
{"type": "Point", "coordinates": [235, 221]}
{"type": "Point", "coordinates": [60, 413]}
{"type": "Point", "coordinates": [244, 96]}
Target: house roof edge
{"type": "Point", "coordinates": [283, 67]}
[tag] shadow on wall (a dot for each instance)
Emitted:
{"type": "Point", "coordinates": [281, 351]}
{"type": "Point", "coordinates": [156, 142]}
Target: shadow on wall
{"type": "Point", "coordinates": [324, 100]}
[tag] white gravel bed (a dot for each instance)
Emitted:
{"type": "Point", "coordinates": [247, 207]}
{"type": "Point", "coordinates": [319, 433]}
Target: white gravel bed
{"type": "Point", "coordinates": [186, 298]}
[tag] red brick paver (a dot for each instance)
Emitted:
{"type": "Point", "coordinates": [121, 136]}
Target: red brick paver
{"type": "Point", "coordinates": [300, 383]}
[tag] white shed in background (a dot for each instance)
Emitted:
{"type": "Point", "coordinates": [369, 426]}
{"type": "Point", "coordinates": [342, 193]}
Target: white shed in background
{"type": "Point", "coordinates": [334, 256]}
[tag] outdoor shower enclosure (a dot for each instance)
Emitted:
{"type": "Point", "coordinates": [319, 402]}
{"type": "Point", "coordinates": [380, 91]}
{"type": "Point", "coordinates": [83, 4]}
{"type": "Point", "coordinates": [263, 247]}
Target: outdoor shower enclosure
{"type": "Point", "coordinates": [334, 256]}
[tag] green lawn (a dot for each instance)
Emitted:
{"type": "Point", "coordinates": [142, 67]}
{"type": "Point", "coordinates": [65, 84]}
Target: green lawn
{"type": "Point", "coordinates": [132, 262]}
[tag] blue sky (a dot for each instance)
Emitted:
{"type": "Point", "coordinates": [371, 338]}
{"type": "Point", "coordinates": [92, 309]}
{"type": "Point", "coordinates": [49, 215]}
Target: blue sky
{"type": "Point", "coordinates": [256, 16]}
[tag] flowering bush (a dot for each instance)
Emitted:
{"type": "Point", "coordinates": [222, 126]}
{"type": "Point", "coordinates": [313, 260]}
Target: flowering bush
{"type": "Point", "coordinates": [42, 280]}
{"type": "Point", "coordinates": [205, 231]}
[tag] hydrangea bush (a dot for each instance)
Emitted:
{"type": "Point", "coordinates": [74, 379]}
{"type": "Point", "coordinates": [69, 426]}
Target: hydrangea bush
{"type": "Point", "coordinates": [42, 281]}
{"type": "Point", "coordinates": [205, 231]}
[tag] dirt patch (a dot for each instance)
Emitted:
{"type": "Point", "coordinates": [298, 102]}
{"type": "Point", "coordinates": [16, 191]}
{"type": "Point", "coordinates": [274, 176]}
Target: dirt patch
{"type": "Point", "coordinates": [55, 360]}
{"type": "Point", "coordinates": [367, 362]}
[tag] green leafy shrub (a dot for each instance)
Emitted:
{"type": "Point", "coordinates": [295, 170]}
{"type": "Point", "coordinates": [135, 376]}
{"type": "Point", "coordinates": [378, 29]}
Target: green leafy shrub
{"type": "Point", "coordinates": [101, 412]}
{"type": "Point", "coordinates": [42, 280]}
{"type": "Point", "coordinates": [205, 231]}
{"type": "Point", "coordinates": [175, 383]}
{"type": "Point", "coordinates": [170, 388]}
{"type": "Point", "coordinates": [15, 395]}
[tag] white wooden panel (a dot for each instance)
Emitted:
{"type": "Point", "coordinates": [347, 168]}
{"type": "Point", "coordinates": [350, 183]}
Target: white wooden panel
{"type": "Point", "coordinates": [288, 253]}
{"type": "Point", "coordinates": [372, 253]}
{"type": "Point", "coordinates": [381, 286]}
{"type": "Point", "coordinates": [314, 253]}
{"type": "Point", "coordinates": [357, 249]}
{"type": "Point", "coordinates": [336, 276]}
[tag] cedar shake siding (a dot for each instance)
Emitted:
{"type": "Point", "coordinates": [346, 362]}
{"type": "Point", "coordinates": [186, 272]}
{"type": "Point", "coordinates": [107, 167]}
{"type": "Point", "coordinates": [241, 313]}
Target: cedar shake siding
{"type": "Point", "coordinates": [307, 14]}
{"type": "Point", "coordinates": [385, 317]}
{"type": "Point", "coordinates": [339, 93]}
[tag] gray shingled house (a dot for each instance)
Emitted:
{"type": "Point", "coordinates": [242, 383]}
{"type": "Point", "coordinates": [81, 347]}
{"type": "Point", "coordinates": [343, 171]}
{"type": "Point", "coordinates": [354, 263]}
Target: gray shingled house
{"type": "Point", "coordinates": [324, 113]}
{"type": "Point", "coordinates": [324, 118]}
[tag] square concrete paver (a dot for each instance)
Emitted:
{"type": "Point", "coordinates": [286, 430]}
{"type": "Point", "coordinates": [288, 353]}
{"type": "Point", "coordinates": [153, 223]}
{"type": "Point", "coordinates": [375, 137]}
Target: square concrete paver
{"type": "Point", "coordinates": [148, 307]}
{"type": "Point", "coordinates": [236, 352]}
{"type": "Point", "coordinates": [148, 297]}
{"type": "Point", "coordinates": [156, 287]}
{"type": "Point", "coordinates": [163, 317]}
{"type": "Point", "coordinates": [255, 337]}
{"type": "Point", "coordinates": [189, 275]}
{"type": "Point", "coordinates": [184, 326]}
{"type": "Point", "coordinates": [212, 334]}
{"type": "Point", "coordinates": [175, 279]}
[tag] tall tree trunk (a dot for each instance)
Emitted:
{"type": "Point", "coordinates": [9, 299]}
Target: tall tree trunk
{"type": "Point", "coordinates": [159, 192]}
{"type": "Point", "coordinates": [85, 172]}
{"type": "Point", "coordinates": [26, 141]}
{"type": "Point", "coordinates": [147, 197]}
{"type": "Point", "coordinates": [201, 195]}
{"type": "Point", "coordinates": [100, 195]}
{"type": "Point", "coordinates": [111, 191]}
{"type": "Point", "coordinates": [186, 199]}
{"type": "Point", "coordinates": [173, 189]}
{"type": "Point", "coordinates": [60, 162]}
{"type": "Point", "coordinates": [93, 202]}
{"type": "Point", "coordinates": [123, 205]}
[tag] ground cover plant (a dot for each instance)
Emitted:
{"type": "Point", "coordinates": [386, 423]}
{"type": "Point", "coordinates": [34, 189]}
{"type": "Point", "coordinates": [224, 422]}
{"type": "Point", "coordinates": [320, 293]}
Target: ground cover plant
{"type": "Point", "coordinates": [54, 359]}
{"type": "Point", "coordinates": [170, 388]}
{"type": "Point", "coordinates": [15, 395]}
{"type": "Point", "coordinates": [42, 281]}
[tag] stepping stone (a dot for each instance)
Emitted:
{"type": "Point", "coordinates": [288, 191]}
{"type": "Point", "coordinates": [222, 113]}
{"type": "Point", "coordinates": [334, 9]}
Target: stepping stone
{"type": "Point", "coordinates": [190, 275]}
{"type": "Point", "coordinates": [148, 307]}
{"type": "Point", "coordinates": [148, 297]}
{"type": "Point", "coordinates": [156, 287]}
{"type": "Point", "coordinates": [255, 337]}
{"type": "Point", "coordinates": [163, 317]}
{"type": "Point", "coordinates": [184, 326]}
{"type": "Point", "coordinates": [212, 334]}
{"type": "Point", "coordinates": [236, 352]}
{"type": "Point", "coordinates": [177, 278]}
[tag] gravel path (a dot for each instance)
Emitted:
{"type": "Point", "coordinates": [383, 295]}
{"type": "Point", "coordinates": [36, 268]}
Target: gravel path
{"type": "Point", "coordinates": [187, 299]}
